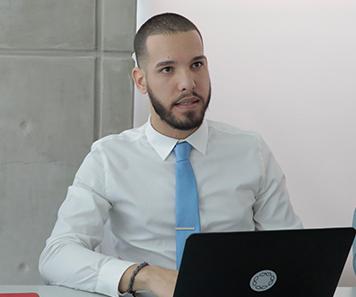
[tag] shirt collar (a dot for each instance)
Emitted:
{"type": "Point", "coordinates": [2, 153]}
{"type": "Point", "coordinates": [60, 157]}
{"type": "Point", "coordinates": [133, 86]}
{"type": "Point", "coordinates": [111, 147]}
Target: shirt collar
{"type": "Point", "coordinates": [164, 145]}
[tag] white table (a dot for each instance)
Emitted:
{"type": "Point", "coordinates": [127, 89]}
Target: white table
{"type": "Point", "coordinates": [47, 291]}
{"type": "Point", "coordinates": [53, 291]}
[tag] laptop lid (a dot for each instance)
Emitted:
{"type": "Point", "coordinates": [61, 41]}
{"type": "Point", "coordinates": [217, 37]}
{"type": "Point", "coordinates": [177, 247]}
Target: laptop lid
{"type": "Point", "coordinates": [293, 263]}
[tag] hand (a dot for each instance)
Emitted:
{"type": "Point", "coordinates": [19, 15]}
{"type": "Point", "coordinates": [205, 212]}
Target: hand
{"type": "Point", "coordinates": [160, 281]}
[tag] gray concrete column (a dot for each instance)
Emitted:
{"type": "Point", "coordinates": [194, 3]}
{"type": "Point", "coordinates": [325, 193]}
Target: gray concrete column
{"type": "Point", "coordinates": [64, 82]}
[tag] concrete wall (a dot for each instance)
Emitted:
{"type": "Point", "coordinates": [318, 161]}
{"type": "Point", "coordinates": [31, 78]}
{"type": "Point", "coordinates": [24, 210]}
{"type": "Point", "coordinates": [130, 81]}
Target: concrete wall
{"type": "Point", "coordinates": [64, 82]}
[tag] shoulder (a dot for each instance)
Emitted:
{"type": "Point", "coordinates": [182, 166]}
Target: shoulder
{"type": "Point", "coordinates": [234, 141]}
{"type": "Point", "coordinates": [125, 138]}
{"type": "Point", "coordinates": [225, 131]}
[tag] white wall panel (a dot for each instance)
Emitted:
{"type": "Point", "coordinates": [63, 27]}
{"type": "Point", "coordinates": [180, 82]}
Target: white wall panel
{"type": "Point", "coordinates": [286, 69]}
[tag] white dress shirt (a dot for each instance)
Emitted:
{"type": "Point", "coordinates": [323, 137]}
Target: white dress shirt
{"type": "Point", "coordinates": [127, 183]}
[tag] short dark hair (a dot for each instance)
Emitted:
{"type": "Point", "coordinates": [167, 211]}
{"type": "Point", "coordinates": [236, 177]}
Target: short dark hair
{"type": "Point", "coordinates": [165, 23]}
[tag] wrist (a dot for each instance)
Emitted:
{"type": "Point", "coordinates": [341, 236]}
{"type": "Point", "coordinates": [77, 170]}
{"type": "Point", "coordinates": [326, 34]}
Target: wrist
{"type": "Point", "coordinates": [142, 278]}
{"type": "Point", "coordinates": [125, 279]}
{"type": "Point", "coordinates": [135, 280]}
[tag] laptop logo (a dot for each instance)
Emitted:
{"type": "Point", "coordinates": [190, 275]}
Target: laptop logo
{"type": "Point", "coordinates": [263, 280]}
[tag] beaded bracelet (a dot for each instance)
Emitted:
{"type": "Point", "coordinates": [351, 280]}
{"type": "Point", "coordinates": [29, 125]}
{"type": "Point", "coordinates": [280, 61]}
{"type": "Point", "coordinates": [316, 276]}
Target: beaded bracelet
{"type": "Point", "coordinates": [133, 276]}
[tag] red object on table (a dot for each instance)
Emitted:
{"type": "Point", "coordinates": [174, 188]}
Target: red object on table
{"type": "Point", "coordinates": [19, 295]}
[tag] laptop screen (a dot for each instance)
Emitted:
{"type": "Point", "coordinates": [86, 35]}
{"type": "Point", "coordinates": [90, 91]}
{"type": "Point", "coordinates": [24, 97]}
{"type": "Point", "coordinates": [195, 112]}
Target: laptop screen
{"type": "Point", "coordinates": [291, 263]}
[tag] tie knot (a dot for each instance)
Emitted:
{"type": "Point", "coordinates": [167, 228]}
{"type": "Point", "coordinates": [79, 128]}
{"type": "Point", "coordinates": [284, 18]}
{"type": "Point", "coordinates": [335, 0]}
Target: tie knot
{"type": "Point", "coordinates": [182, 151]}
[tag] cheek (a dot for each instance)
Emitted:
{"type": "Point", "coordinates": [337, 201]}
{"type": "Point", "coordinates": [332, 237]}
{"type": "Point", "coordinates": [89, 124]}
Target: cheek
{"type": "Point", "coordinates": [203, 83]}
{"type": "Point", "coordinates": [163, 89]}
{"type": "Point", "coordinates": [156, 82]}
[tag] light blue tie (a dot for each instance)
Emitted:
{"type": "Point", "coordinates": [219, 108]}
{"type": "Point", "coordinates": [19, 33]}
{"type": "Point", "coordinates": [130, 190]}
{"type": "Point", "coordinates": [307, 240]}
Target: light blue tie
{"type": "Point", "coordinates": [187, 199]}
{"type": "Point", "coordinates": [354, 245]}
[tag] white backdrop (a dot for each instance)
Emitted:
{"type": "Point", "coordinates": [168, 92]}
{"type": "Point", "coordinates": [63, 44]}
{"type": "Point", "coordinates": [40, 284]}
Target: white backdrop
{"type": "Point", "coordinates": [286, 69]}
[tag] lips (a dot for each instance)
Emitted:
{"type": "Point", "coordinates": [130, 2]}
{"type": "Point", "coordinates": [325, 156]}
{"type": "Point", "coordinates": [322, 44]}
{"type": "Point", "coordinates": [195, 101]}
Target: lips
{"type": "Point", "coordinates": [187, 101]}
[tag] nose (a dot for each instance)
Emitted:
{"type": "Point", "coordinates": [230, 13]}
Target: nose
{"type": "Point", "coordinates": [186, 81]}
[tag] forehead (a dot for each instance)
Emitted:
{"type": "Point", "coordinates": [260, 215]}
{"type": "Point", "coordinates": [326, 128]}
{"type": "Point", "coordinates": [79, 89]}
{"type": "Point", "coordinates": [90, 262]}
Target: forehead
{"type": "Point", "coordinates": [176, 46]}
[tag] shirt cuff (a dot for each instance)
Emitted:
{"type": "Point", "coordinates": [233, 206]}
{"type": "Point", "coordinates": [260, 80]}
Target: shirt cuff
{"type": "Point", "coordinates": [110, 275]}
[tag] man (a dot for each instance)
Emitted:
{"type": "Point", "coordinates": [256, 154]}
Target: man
{"type": "Point", "coordinates": [129, 179]}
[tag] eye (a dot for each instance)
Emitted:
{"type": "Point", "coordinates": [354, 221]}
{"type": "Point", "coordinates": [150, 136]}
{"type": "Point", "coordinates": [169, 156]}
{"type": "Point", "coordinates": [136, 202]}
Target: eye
{"type": "Point", "coordinates": [197, 65]}
{"type": "Point", "coordinates": [167, 69]}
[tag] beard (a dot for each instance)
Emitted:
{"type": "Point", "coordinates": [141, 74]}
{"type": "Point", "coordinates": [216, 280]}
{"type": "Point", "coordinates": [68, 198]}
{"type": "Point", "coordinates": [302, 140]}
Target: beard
{"type": "Point", "coordinates": [189, 120]}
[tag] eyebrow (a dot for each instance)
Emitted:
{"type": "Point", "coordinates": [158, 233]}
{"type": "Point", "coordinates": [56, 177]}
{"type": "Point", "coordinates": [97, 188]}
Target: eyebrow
{"type": "Point", "coordinates": [201, 57]}
{"type": "Point", "coordinates": [165, 63]}
{"type": "Point", "coordinates": [172, 62]}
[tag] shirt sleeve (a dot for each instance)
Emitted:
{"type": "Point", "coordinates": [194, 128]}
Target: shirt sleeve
{"type": "Point", "coordinates": [273, 209]}
{"type": "Point", "coordinates": [69, 257]}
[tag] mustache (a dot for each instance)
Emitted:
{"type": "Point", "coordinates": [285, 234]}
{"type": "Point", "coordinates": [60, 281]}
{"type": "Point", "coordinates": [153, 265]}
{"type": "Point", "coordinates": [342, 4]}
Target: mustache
{"type": "Point", "coordinates": [189, 96]}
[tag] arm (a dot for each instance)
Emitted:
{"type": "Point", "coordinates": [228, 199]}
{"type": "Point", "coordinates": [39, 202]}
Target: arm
{"type": "Point", "coordinates": [69, 258]}
{"type": "Point", "coordinates": [273, 209]}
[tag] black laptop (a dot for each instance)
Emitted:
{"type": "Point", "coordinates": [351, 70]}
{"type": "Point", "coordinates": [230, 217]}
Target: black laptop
{"type": "Point", "coordinates": [284, 263]}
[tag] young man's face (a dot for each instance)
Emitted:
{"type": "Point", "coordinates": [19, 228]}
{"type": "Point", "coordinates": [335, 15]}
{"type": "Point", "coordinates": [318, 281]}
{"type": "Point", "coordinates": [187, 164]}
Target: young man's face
{"type": "Point", "coordinates": [176, 79]}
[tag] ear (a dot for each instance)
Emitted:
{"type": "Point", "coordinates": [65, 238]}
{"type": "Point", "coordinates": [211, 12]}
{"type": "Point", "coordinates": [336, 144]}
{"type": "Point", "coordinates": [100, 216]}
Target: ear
{"type": "Point", "coordinates": [139, 78]}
